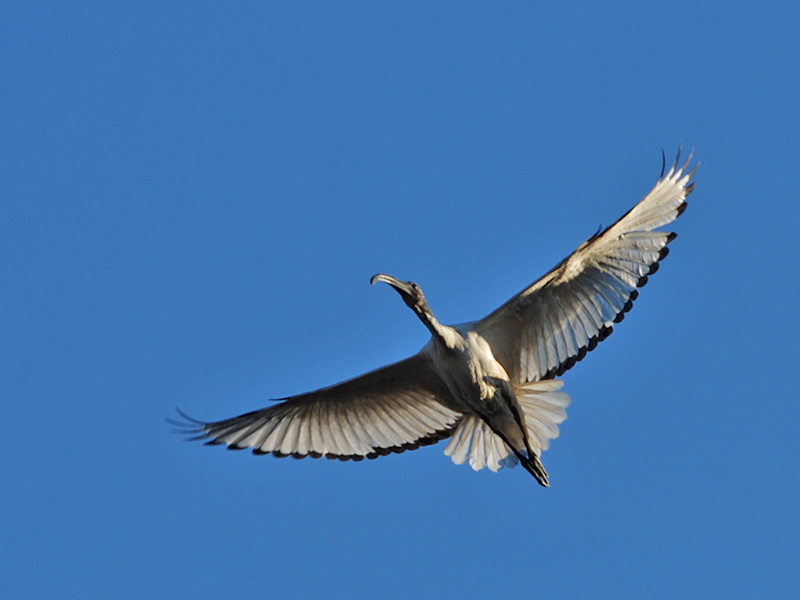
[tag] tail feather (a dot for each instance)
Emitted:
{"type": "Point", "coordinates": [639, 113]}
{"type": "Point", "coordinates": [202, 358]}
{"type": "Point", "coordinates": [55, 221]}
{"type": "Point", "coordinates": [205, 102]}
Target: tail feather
{"type": "Point", "coordinates": [543, 408]}
{"type": "Point", "coordinates": [475, 441]}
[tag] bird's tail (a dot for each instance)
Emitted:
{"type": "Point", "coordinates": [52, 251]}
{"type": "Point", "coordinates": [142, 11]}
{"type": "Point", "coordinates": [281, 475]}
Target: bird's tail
{"type": "Point", "coordinates": [473, 439]}
{"type": "Point", "coordinates": [543, 408]}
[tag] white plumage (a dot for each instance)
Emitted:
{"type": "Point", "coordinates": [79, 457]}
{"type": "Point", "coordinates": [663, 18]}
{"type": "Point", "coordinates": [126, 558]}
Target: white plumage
{"type": "Point", "coordinates": [543, 407]}
{"type": "Point", "coordinates": [488, 385]}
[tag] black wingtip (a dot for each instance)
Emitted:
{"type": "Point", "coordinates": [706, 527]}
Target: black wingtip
{"type": "Point", "coordinates": [678, 156]}
{"type": "Point", "coordinates": [189, 426]}
{"type": "Point", "coordinates": [687, 161]}
{"type": "Point", "coordinates": [186, 417]}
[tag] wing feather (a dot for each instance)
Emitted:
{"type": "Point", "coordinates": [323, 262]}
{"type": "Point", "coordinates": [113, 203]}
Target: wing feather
{"type": "Point", "coordinates": [549, 326]}
{"type": "Point", "coordinates": [397, 421]}
{"type": "Point", "coordinates": [396, 408]}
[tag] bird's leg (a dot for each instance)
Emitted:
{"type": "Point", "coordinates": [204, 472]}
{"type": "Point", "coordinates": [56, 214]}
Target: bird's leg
{"type": "Point", "coordinates": [532, 463]}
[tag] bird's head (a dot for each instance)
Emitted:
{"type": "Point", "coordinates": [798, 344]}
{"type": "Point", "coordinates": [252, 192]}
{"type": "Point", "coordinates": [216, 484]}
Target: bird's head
{"type": "Point", "coordinates": [409, 291]}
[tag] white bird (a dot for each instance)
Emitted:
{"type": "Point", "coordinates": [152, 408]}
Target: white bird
{"type": "Point", "coordinates": [488, 385]}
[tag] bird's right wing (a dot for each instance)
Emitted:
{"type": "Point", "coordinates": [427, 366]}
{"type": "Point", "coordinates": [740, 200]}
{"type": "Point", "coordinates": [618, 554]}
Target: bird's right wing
{"type": "Point", "coordinates": [542, 331]}
{"type": "Point", "coordinates": [398, 407]}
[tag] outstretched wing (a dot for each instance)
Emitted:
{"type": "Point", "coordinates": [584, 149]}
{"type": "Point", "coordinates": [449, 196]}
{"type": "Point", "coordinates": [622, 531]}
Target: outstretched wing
{"type": "Point", "coordinates": [545, 329]}
{"type": "Point", "coordinates": [396, 408]}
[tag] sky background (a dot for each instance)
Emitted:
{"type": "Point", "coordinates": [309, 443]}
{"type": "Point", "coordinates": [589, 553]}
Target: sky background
{"type": "Point", "coordinates": [193, 198]}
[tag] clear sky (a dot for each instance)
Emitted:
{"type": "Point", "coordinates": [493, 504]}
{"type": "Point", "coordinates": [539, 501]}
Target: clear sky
{"type": "Point", "coordinates": [194, 197]}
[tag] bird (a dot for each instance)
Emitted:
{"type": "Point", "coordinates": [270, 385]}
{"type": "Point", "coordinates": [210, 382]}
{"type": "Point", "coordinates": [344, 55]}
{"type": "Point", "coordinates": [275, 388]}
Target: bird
{"type": "Point", "coordinates": [491, 386]}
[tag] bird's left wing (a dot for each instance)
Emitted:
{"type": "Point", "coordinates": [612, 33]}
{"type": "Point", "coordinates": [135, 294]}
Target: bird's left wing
{"type": "Point", "coordinates": [549, 326]}
{"type": "Point", "coordinates": [396, 408]}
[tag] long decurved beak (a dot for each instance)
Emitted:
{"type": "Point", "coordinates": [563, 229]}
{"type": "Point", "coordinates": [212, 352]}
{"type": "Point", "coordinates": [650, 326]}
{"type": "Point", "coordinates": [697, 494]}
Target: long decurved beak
{"type": "Point", "coordinates": [392, 281]}
{"type": "Point", "coordinates": [404, 287]}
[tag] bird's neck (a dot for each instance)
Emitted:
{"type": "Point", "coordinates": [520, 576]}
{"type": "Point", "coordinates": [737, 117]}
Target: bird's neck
{"type": "Point", "coordinates": [444, 334]}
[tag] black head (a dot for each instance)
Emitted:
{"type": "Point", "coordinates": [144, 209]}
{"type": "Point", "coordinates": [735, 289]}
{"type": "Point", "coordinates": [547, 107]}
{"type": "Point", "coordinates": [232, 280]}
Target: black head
{"type": "Point", "coordinates": [409, 291]}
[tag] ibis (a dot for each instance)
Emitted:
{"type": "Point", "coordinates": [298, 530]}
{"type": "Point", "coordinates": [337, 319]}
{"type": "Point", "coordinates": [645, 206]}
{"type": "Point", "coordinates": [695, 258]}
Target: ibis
{"type": "Point", "coordinates": [491, 386]}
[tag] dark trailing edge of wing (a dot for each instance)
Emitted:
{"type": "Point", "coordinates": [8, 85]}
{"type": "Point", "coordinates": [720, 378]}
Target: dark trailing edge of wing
{"type": "Point", "coordinates": [607, 330]}
{"type": "Point", "coordinates": [198, 430]}
{"type": "Point", "coordinates": [377, 452]}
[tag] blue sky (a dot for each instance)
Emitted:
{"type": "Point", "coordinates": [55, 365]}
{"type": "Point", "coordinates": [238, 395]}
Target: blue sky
{"type": "Point", "coordinates": [194, 197]}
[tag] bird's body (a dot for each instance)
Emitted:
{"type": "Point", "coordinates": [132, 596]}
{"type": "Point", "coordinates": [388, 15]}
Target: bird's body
{"type": "Point", "coordinates": [488, 385]}
{"type": "Point", "coordinates": [479, 385]}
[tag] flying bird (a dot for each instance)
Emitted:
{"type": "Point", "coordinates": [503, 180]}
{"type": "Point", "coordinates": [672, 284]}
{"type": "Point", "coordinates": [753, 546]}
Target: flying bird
{"type": "Point", "coordinates": [488, 385]}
